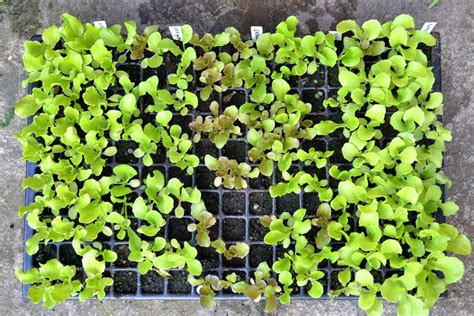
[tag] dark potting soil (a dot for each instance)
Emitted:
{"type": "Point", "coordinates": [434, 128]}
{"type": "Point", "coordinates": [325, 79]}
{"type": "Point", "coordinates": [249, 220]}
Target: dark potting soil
{"type": "Point", "coordinates": [233, 97]}
{"type": "Point", "coordinates": [160, 155]}
{"type": "Point", "coordinates": [178, 283]}
{"type": "Point", "coordinates": [287, 203]}
{"type": "Point", "coordinates": [333, 80]}
{"type": "Point", "coordinates": [310, 202]}
{"type": "Point", "coordinates": [125, 152]}
{"type": "Point", "coordinates": [122, 261]}
{"type": "Point", "coordinates": [313, 170]}
{"type": "Point", "coordinates": [211, 200]}
{"type": "Point", "coordinates": [68, 256]}
{"type": "Point", "coordinates": [233, 203]}
{"type": "Point", "coordinates": [206, 147]}
{"type": "Point", "coordinates": [152, 283]}
{"type": "Point", "coordinates": [315, 80]}
{"type": "Point", "coordinates": [260, 253]}
{"type": "Point", "coordinates": [261, 182]}
{"type": "Point", "coordinates": [125, 282]}
{"type": "Point", "coordinates": [235, 149]}
{"type": "Point", "coordinates": [133, 72]}
{"type": "Point", "coordinates": [315, 98]}
{"type": "Point", "coordinates": [214, 231]}
{"type": "Point", "coordinates": [260, 203]}
{"type": "Point", "coordinates": [336, 146]}
{"type": "Point", "coordinates": [205, 178]}
{"type": "Point", "coordinates": [178, 229]}
{"type": "Point", "coordinates": [208, 257]}
{"type": "Point", "coordinates": [256, 230]}
{"type": "Point", "coordinates": [45, 253]}
{"type": "Point", "coordinates": [233, 263]}
{"type": "Point", "coordinates": [233, 229]}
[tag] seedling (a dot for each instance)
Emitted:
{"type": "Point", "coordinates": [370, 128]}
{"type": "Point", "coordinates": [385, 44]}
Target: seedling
{"type": "Point", "coordinates": [229, 172]}
{"type": "Point", "coordinates": [385, 174]}
{"type": "Point", "coordinates": [218, 127]}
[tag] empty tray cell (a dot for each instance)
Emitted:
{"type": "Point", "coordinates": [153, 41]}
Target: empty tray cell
{"type": "Point", "coordinates": [261, 182]}
{"type": "Point", "coordinates": [311, 202]}
{"type": "Point", "coordinates": [233, 229]}
{"type": "Point", "coordinates": [235, 149]}
{"type": "Point", "coordinates": [178, 229]}
{"type": "Point", "coordinates": [152, 283]}
{"type": "Point", "coordinates": [233, 203]}
{"type": "Point", "coordinates": [178, 283]}
{"type": "Point", "coordinates": [233, 263]}
{"type": "Point", "coordinates": [160, 155]}
{"type": "Point", "coordinates": [205, 147]}
{"type": "Point", "coordinates": [211, 200]}
{"type": "Point", "coordinates": [260, 253]}
{"type": "Point", "coordinates": [260, 203]}
{"type": "Point", "coordinates": [312, 169]}
{"type": "Point", "coordinates": [205, 178]}
{"type": "Point", "coordinates": [288, 203]}
{"type": "Point", "coordinates": [125, 282]}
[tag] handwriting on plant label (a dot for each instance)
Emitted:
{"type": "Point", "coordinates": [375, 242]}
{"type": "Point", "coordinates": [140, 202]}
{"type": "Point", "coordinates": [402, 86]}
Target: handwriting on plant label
{"type": "Point", "coordinates": [176, 32]}
{"type": "Point", "coordinates": [256, 31]}
{"type": "Point", "coordinates": [100, 24]}
{"type": "Point", "coordinates": [428, 26]}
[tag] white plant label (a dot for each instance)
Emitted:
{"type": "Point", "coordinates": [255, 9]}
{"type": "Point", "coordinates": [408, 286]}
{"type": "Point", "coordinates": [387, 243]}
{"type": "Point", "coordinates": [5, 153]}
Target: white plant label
{"type": "Point", "coordinates": [256, 31]}
{"type": "Point", "coordinates": [337, 35]}
{"type": "Point", "coordinates": [176, 32]}
{"type": "Point", "coordinates": [428, 26]}
{"type": "Point", "coordinates": [100, 24]}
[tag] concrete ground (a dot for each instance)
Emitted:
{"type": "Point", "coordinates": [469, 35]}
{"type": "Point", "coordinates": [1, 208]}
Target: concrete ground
{"type": "Point", "coordinates": [20, 19]}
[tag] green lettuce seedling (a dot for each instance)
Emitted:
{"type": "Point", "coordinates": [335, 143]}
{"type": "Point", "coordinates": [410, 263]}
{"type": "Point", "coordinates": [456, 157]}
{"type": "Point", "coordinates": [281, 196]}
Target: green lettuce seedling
{"type": "Point", "coordinates": [237, 250]}
{"type": "Point", "coordinates": [51, 283]}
